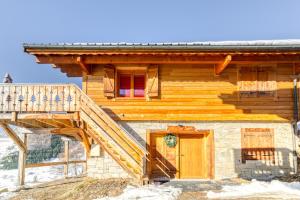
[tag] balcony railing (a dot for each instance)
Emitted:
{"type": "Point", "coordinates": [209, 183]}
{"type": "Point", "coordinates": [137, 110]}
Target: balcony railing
{"type": "Point", "coordinates": [39, 98]}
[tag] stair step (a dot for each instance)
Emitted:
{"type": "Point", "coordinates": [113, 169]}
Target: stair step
{"type": "Point", "coordinates": [122, 159]}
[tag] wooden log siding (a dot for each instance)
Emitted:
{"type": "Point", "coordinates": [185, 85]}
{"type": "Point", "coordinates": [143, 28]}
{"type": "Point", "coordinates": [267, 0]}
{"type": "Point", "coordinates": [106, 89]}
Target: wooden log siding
{"type": "Point", "coordinates": [186, 92]}
{"type": "Point", "coordinates": [39, 98]}
{"type": "Point", "coordinates": [193, 92]}
{"type": "Point", "coordinates": [256, 81]}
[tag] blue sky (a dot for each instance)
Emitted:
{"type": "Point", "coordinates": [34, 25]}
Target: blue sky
{"type": "Point", "coordinates": [45, 21]}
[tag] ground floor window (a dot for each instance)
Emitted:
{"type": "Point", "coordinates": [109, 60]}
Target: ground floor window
{"type": "Point", "coordinates": [257, 144]}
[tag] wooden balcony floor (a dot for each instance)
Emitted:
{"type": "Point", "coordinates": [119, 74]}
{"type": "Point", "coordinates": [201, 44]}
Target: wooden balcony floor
{"type": "Point", "coordinates": [39, 120]}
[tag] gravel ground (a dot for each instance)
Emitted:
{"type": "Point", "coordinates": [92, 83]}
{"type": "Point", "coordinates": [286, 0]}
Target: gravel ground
{"type": "Point", "coordinates": [73, 189]}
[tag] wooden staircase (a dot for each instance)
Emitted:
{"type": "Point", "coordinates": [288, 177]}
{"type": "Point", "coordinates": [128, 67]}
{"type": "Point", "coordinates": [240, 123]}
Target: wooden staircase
{"type": "Point", "coordinates": [115, 140]}
{"type": "Point", "coordinates": [65, 99]}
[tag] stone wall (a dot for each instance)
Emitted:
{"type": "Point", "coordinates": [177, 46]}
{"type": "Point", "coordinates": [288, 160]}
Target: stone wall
{"type": "Point", "coordinates": [227, 141]}
{"type": "Point", "coordinates": [101, 165]}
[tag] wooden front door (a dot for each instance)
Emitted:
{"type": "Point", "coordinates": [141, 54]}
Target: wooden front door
{"type": "Point", "coordinates": [192, 156]}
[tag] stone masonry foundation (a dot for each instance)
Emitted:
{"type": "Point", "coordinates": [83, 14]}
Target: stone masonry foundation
{"type": "Point", "coordinates": [227, 142]}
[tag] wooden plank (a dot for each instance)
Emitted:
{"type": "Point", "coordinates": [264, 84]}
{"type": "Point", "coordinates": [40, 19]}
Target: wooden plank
{"type": "Point", "coordinates": [149, 155]}
{"type": "Point", "coordinates": [33, 165]}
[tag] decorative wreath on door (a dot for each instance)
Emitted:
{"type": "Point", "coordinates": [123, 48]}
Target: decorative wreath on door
{"type": "Point", "coordinates": [171, 140]}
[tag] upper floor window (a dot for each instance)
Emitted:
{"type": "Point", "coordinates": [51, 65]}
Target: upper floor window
{"type": "Point", "coordinates": [257, 81]}
{"type": "Point", "coordinates": [131, 84]}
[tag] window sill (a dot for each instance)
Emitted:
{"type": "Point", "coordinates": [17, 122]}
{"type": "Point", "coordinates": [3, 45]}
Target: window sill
{"type": "Point", "coordinates": [129, 99]}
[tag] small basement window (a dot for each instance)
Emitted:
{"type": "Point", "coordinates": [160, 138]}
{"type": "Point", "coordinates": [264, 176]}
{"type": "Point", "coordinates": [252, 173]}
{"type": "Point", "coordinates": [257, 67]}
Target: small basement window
{"type": "Point", "coordinates": [131, 84]}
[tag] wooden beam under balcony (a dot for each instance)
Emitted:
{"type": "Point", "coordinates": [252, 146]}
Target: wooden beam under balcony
{"type": "Point", "coordinates": [71, 132]}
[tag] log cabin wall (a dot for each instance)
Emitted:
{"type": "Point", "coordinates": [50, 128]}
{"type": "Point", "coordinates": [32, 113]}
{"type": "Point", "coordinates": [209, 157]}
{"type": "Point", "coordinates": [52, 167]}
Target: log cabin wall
{"type": "Point", "coordinates": [193, 92]}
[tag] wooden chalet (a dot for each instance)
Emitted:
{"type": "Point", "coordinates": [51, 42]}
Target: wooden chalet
{"type": "Point", "coordinates": [204, 110]}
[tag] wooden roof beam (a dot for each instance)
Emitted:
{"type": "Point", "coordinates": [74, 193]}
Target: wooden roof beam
{"type": "Point", "coordinates": [222, 66]}
{"type": "Point", "coordinates": [85, 68]}
{"type": "Point", "coordinates": [61, 61]}
{"type": "Point", "coordinates": [67, 60]}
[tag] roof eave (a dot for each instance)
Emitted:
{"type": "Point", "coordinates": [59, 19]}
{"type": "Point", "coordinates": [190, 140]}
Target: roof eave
{"type": "Point", "coordinates": [208, 48]}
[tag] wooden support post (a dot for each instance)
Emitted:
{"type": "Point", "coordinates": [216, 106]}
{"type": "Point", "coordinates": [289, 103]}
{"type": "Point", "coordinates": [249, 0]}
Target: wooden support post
{"type": "Point", "coordinates": [14, 116]}
{"type": "Point", "coordinates": [22, 163]}
{"type": "Point", "coordinates": [84, 165]}
{"type": "Point", "coordinates": [66, 165]}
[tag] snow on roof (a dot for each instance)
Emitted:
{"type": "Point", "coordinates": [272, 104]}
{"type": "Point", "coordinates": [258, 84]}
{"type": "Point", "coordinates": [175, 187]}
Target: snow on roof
{"type": "Point", "coordinates": [209, 45]}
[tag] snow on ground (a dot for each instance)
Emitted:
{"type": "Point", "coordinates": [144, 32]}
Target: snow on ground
{"type": "Point", "coordinates": [33, 176]}
{"type": "Point", "coordinates": [7, 146]}
{"type": "Point", "coordinates": [147, 192]}
{"type": "Point", "coordinates": [255, 189]}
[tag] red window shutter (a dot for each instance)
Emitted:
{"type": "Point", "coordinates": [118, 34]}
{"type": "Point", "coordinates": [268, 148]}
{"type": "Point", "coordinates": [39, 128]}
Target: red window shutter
{"type": "Point", "coordinates": [152, 81]}
{"type": "Point", "coordinates": [124, 85]}
{"type": "Point", "coordinates": [139, 85]}
{"type": "Point", "coordinates": [109, 81]}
